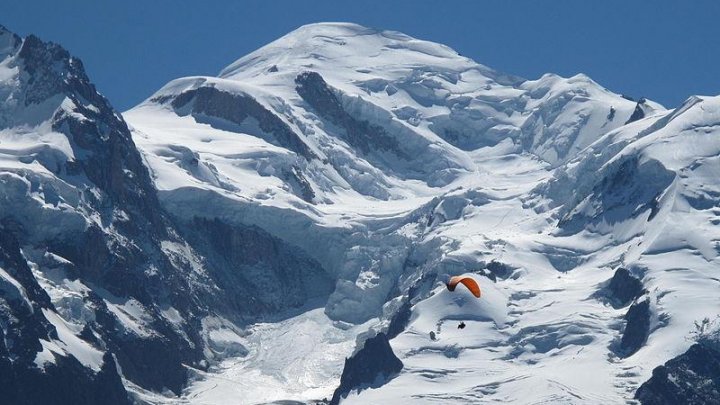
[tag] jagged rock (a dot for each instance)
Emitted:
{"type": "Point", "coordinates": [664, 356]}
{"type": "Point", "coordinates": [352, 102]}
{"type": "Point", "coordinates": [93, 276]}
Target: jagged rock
{"type": "Point", "coordinates": [113, 245]}
{"type": "Point", "coordinates": [253, 266]}
{"type": "Point", "coordinates": [371, 366]}
{"type": "Point", "coordinates": [66, 382]}
{"type": "Point", "coordinates": [498, 270]}
{"type": "Point", "coordinates": [236, 108]}
{"type": "Point", "coordinates": [62, 381]}
{"type": "Point", "coordinates": [624, 287]}
{"type": "Point", "coordinates": [399, 322]}
{"type": "Point", "coordinates": [360, 134]}
{"type": "Point", "coordinates": [299, 183]}
{"type": "Point", "coordinates": [638, 113]}
{"type": "Point", "coordinates": [625, 189]}
{"type": "Point", "coordinates": [691, 378]}
{"type": "Point", "coordinates": [637, 328]}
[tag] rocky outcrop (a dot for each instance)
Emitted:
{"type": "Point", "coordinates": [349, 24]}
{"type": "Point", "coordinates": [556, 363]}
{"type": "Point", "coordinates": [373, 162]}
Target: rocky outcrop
{"type": "Point", "coordinates": [626, 188]}
{"type": "Point", "coordinates": [691, 378]}
{"type": "Point", "coordinates": [371, 366]}
{"type": "Point", "coordinates": [299, 183]}
{"type": "Point", "coordinates": [23, 325]}
{"type": "Point", "coordinates": [64, 382]}
{"type": "Point", "coordinates": [624, 287]}
{"type": "Point", "coordinates": [103, 147]}
{"type": "Point", "coordinates": [236, 108]}
{"type": "Point", "coordinates": [637, 328]}
{"type": "Point", "coordinates": [638, 113]}
{"type": "Point", "coordinates": [115, 245]}
{"type": "Point", "coordinates": [254, 267]}
{"type": "Point", "coordinates": [497, 270]}
{"type": "Point", "coordinates": [358, 133]}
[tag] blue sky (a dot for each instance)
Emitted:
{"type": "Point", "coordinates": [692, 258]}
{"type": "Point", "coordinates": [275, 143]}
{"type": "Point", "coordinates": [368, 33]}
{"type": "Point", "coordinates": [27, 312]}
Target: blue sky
{"type": "Point", "coordinates": [664, 50]}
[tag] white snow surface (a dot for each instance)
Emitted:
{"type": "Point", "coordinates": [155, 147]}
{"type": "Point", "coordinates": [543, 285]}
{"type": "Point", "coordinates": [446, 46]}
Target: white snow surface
{"type": "Point", "coordinates": [298, 358]}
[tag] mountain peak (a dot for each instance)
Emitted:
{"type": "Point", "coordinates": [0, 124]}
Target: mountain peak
{"type": "Point", "coordinates": [9, 41]}
{"type": "Point", "coordinates": [338, 28]}
{"type": "Point", "coordinates": [344, 45]}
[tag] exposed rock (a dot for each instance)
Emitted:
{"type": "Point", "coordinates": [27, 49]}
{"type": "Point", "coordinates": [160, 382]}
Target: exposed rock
{"type": "Point", "coordinates": [691, 378]}
{"type": "Point", "coordinates": [498, 270]}
{"type": "Point", "coordinates": [637, 328]}
{"type": "Point", "coordinates": [624, 287]}
{"type": "Point", "coordinates": [625, 189]}
{"type": "Point", "coordinates": [114, 246]}
{"type": "Point", "coordinates": [253, 266]}
{"type": "Point", "coordinates": [301, 186]}
{"type": "Point", "coordinates": [22, 327]}
{"type": "Point", "coordinates": [237, 108]}
{"type": "Point", "coordinates": [371, 366]}
{"type": "Point", "coordinates": [638, 113]}
{"type": "Point", "coordinates": [358, 133]}
{"type": "Point", "coordinates": [66, 382]}
{"type": "Point", "coordinates": [399, 322]}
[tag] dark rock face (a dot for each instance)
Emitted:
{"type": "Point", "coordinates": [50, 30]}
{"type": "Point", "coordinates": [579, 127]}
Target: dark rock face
{"type": "Point", "coordinates": [301, 186]}
{"type": "Point", "coordinates": [114, 186]}
{"type": "Point", "coordinates": [638, 113]}
{"type": "Point", "coordinates": [65, 382]}
{"type": "Point", "coordinates": [44, 63]}
{"type": "Point", "coordinates": [254, 267]}
{"type": "Point", "coordinates": [626, 190]}
{"type": "Point", "coordinates": [9, 42]}
{"type": "Point", "coordinates": [498, 270]}
{"type": "Point", "coordinates": [624, 287]}
{"type": "Point", "coordinates": [691, 378]}
{"type": "Point", "coordinates": [399, 322]}
{"type": "Point", "coordinates": [22, 326]}
{"type": "Point", "coordinates": [401, 318]}
{"type": "Point", "coordinates": [637, 328]}
{"type": "Point", "coordinates": [360, 134]}
{"type": "Point", "coordinates": [372, 366]}
{"type": "Point", "coordinates": [99, 136]}
{"type": "Point", "coordinates": [236, 109]}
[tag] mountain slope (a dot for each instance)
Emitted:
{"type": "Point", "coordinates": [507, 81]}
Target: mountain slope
{"type": "Point", "coordinates": [335, 124]}
{"type": "Point", "coordinates": [101, 288]}
{"type": "Point", "coordinates": [79, 205]}
{"type": "Point", "coordinates": [409, 163]}
{"type": "Point", "coordinates": [641, 197]}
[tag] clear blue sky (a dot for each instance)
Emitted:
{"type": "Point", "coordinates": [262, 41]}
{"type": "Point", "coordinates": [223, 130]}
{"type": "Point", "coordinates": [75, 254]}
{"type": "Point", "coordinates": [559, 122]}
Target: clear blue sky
{"type": "Point", "coordinates": [664, 50]}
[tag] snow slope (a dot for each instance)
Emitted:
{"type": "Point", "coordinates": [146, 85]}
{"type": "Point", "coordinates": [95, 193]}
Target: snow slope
{"type": "Point", "coordinates": [340, 129]}
{"type": "Point", "coordinates": [558, 345]}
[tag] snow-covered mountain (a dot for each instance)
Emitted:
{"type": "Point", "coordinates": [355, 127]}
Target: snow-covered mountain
{"type": "Point", "coordinates": [95, 275]}
{"type": "Point", "coordinates": [243, 234]}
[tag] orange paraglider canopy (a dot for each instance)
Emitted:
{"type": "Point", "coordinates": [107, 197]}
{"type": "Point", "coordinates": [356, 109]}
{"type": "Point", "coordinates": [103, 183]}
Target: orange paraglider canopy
{"type": "Point", "coordinates": [469, 282]}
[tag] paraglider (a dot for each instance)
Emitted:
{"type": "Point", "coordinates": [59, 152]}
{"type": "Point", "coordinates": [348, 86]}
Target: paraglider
{"type": "Point", "coordinates": [468, 282]}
